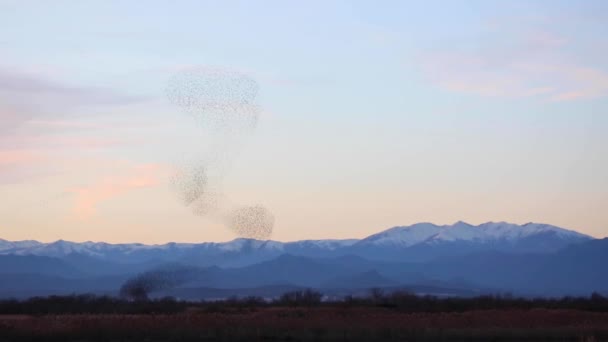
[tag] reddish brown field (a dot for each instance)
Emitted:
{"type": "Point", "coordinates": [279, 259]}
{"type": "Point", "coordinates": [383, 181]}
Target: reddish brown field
{"type": "Point", "coordinates": [313, 324]}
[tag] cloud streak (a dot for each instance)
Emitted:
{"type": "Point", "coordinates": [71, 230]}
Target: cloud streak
{"type": "Point", "coordinates": [525, 64]}
{"type": "Point", "coordinates": [46, 142]}
{"type": "Point", "coordinates": [34, 108]}
{"type": "Point", "coordinates": [88, 198]}
{"type": "Point", "coordinates": [15, 82]}
{"type": "Point", "coordinates": [25, 96]}
{"type": "Point", "coordinates": [20, 164]}
{"type": "Point", "coordinates": [15, 157]}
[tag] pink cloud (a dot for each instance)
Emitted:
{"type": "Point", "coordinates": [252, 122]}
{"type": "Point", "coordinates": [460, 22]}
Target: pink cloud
{"type": "Point", "coordinates": [19, 157]}
{"type": "Point", "coordinates": [32, 94]}
{"type": "Point", "coordinates": [28, 157]}
{"type": "Point", "coordinates": [518, 64]}
{"type": "Point", "coordinates": [46, 142]}
{"type": "Point", "coordinates": [38, 148]}
{"type": "Point", "coordinates": [11, 115]}
{"type": "Point", "coordinates": [32, 84]}
{"type": "Point", "coordinates": [74, 133]}
{"type": "Point", "coordinates": [573, 95]}
{"type": "Point", "coordinates": [18, 165]}
{"type": "Point", "coordinates": [87, 198]}
{"type": "Point", "coordinates": [67, 124]}
{"type": "Point", "coordinates": [31, 157]}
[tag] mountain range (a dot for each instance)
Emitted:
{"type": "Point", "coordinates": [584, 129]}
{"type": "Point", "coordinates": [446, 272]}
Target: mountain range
{"type": "Point", "coordinates": [418, 242]}
{"type": "Point", "coordinates": [458, 259]}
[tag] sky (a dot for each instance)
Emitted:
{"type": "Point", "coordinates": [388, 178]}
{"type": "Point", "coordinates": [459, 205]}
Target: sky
{"type": "Point", "coordinates": [373, 115]}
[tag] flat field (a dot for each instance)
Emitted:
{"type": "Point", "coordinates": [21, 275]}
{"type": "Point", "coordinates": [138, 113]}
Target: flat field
{"type": "Point", "coordinates": [311, 324]}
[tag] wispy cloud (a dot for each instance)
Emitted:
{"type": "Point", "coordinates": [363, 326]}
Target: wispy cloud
{"type": "Point", "coordinates": [58, 123]}
{"type": "Point", "coordinates": [28, 157]}
{"type": "Point", "coordinates": [26, 95]}
{"type": "Point", "coordinates": [521, 62]}
{"type": "Point", "coordinates": [16, 82]}
{"type": "Point", "coordinates": [41, 116]}
{"type": "Point", "coordinates": [87, 198]}
{"type": "Point", "coordinates": [20, 164]}
{"type": "Point", "coordinates": [47, 142]}
{"type": "Point", "coordinates": [15, 157]}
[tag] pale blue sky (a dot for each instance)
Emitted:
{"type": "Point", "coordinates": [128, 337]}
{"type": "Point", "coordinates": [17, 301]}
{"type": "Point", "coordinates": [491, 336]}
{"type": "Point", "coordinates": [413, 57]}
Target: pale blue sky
{"type": "Point", "coordinates": [375, 114]}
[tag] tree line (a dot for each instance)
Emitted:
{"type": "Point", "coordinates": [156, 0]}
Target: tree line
{"type": "Point", "coordinates": [397, 300]}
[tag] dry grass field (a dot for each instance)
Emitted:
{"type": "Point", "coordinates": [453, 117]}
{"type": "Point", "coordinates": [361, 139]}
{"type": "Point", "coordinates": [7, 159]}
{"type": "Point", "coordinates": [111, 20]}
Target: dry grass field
{"type": "Point", "coordinates": [311, 324]}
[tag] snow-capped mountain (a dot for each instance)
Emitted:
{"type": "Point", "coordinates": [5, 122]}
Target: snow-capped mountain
{"type": "Point", "coordinates": [403, 236]}
{"type": "Point", "coordinates": [411, 243]}
{"type": "Point", "coordinates": [462, 231]}
{"type": "Point", "coordinates": [508, 231]}
{"type": "Point", "coordinates": [496, 255]}
{"type": "Point", "coordinates": [12, 245]}
{"type": "Point", "coordinates": [425, 241]}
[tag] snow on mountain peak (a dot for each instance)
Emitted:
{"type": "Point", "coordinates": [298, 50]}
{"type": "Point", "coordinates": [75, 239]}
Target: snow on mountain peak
{"type": "Point", "coordinates": [510, 231]}
{"type": "Point", "coordinates": [403, 236]}
{"type": "Point", "coordinates": [10, 245]}
{"type": "Point", "coordinates": [458, 231]}
{"type": "Point", "coordinates": [462, 231]}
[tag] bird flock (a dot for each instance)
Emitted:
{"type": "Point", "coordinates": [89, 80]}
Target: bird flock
{"type": "Point", "coordinates": [223, 104]}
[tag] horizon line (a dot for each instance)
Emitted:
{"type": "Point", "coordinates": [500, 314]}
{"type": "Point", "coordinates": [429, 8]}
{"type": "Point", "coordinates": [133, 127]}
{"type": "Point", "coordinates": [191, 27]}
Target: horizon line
{"type": "Point", "coordinates": [299, 240]}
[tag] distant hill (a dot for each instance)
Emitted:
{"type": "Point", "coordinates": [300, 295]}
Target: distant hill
{"type": "Point", "coordinates": [426, 241]}
{"type": "Point", "coordinates": [576, 269]}
{"type": "Point", "coordinates": [33, 264]}
{"type": "Point", "coordinates": [459, 259]}
{"type": "Point", "coordinates": [418, 242]}
{"type": "Point", "coordinates": [24, 285]}
{"type": "Point", "coordinates": [365, 280]}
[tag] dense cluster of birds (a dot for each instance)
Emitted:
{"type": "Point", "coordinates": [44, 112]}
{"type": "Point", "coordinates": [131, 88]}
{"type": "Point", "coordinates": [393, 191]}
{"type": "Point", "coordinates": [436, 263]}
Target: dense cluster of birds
{"type": "Point", "coordinates": [223, 104]}
{"type": "Point", "coordinates": [220, 98]}
{"type": "Point", "coordinates": [252, 221]}
{"type": "Point", "coordinates": [190, 183]}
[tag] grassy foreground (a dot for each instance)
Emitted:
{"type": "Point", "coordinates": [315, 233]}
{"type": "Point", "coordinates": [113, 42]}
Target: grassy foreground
{"type": "Point", "coordinates": [311, 324]}
{"type": "Point", "coordinates": [304, 316]}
